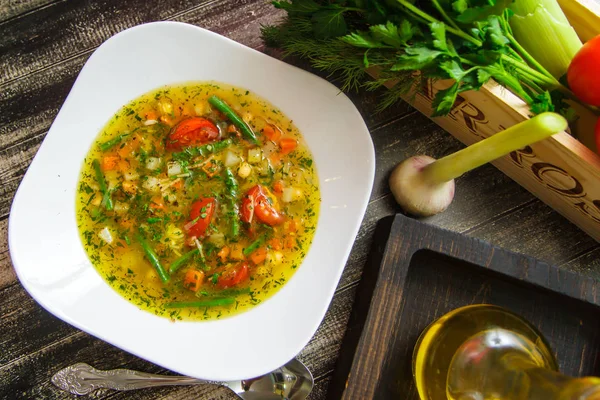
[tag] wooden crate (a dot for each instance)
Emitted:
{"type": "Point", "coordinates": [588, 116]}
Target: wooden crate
{"type": "Point", "coordinates": [561, 171]}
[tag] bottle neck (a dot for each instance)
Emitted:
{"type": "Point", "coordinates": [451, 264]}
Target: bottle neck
{"type": "Point", "coordinates": [500, 364]}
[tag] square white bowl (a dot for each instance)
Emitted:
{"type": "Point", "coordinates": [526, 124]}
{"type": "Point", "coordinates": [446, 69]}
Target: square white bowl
{"type": "Point", "coordinates": [50, 260]}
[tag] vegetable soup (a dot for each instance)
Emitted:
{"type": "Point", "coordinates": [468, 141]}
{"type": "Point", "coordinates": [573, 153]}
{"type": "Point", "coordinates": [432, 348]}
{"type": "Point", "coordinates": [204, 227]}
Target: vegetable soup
{"type": "Point", "coordinates": [198, 201]}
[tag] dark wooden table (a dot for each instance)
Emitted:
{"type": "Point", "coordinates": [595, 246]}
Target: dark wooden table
{"type": "Point", "coordinates": [44, 44]}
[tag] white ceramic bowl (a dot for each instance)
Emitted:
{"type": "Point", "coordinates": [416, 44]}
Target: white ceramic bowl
{"type": "Point", "coordinates": [52, 264]}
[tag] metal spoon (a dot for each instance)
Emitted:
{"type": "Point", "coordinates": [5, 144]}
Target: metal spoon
{"type": "Point", "coordinates": [293, 381]}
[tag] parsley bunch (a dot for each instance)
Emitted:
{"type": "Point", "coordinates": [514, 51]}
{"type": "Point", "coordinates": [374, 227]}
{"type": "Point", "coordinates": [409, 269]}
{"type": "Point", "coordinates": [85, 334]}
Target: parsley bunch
{"type": "Point", "coordinates": [469, 41]}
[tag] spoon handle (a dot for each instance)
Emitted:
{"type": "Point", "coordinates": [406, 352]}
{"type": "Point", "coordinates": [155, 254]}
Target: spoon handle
{"type": "Point", "coordinates": [82, 379]}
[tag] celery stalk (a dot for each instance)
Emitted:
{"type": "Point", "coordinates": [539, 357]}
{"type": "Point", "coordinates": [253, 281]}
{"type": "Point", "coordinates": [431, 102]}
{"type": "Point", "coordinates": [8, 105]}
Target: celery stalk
{"type": "Point", "coordinates": [542, 29]}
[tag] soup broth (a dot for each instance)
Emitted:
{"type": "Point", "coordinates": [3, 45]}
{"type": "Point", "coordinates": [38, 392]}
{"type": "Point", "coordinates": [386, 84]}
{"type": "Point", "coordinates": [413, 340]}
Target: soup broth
{"type": "Point", "coordinates": [198, 201]}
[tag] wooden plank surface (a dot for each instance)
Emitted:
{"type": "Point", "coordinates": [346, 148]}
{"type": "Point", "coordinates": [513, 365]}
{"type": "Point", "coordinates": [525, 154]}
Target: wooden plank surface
{"type": "Point", "coordinates": [42, 48]}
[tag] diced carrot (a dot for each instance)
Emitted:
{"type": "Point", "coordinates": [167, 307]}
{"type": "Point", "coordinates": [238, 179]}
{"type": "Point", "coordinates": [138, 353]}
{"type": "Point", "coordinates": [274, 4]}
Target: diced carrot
{"type": "Point", "coordinates": [130, 146]}
{"type": "Point", "coordinates": [287, 145]}
{"type": "Point", "coordinates": [123, 166]}
{"type": "Point", "coordinates": [290, 242]}
{"type": "Point", "coordinates": [110, 163]}
{"type": "Point", "coordinates": [236, 252]}
{"type": "Point", "coordinates": [178, 184]}
{"type": "Point", "coordinates": [232, 129]}
{"type": "Point", "coordinates": [129, 187]}
{"type": "Point", "coordinates": [157, 203]}
{"type": "Point", "coordinates": [151, 115]}
{"type": "Point", "coordinates": [291, 225]}
{"type": "Point", "coordinates": [275, 158]}
{"type": "Point", "coordinates": [278, 187]}
{"type": "Point", "coordinates": [210, 167]}
{"type": "Point", "coordinates": [271, 133]}
{"type": "Point", "coordinates": [259, 255]}
{"type": "Point", "coordinates": [193, 279]}
{"type": "Point", "coordinates": [223, 253]}
{"type": "Point", "coordinates": [275, 244]}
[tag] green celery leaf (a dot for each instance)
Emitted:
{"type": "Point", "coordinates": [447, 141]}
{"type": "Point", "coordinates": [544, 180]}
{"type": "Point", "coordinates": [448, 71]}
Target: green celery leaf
{"type": "Point", "coordinates": [444, 99]}
{"type": "Point", "coordinates": [416, 58]}
{"type": "Point", "coordinates": [481, 13]}
{"type": "Point", "coordinates": [438, 31]}
{"type": "Point", "coordinates": [483, 76]}
{"type": "Point", "coordinates": [453, 69]}
{"type": "Point", "coordinates": [390, 35]}
{"type": "Point", "coordinates": [329, 23]}
{"type": "Point", "coordinates": [494, 36]}
{"type": "Point", "coordinates": [483, 57]}
{"type": "Point", "coordinates": [469, 82]}
{"type": "Point", "coordinates": [408, 31]}
{"type": "Point", "coordinates": [298, 6]}
{"type": "Point", "coordinates": [363, 39]}
{"type": "Point", "coordinates": [460, 6]}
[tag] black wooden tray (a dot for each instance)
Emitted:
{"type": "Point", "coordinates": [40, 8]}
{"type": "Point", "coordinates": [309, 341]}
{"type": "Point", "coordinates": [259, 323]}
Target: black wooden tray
{"type": "Point", "coordinates": [417, 272]}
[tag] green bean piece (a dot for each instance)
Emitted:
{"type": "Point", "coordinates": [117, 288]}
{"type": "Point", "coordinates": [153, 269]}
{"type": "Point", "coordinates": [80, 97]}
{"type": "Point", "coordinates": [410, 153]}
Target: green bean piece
{"type": "Point", "coordinates": [235, 219]}
{"type": "Point", "coordinates": [178, 263]}
{"type": "Point", "coordinates": [235, 119]}
{"type": "Point", "coordinates": [213, 148]}
{"type": "Point", "coordinates": [254, 245]}
{"type": "Point", "coordinates": [106, 200]}
{"type": "Point", "coordinates": [231, 184]}
{"type": "Point", "coordinates": [204, 303]}
{"type": "Point", "coordinates": [109, 144]}
{"type": "Point", "coordinates": [232, 191]}
{"type": "Point", "coordinates": [153, 258]}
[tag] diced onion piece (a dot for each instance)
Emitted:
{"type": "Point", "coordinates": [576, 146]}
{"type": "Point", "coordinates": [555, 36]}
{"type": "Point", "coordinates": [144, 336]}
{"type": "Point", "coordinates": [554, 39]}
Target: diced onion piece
{"type": "Point", "coordinates": [165, 107]}
{"type": "Point", "coordinates": [296, 174]}
{"type": "Point", "coordinates": [231, 159]}
{"type": "Point", "coordinates": [269, 148]}
{"type": "Point", "coordinates": [106, 235]}
{"type": "Point", "coordinates": [150, 122]}
{"type": "Point", "coordinates": [171, 198]}
{"type": "Point", "coordinates": [218, 239]}
{"type": "Point", "coordinates": [254, 155]}
{"type": "Point", "coordinates": [245, 170]}
{"type": "Point", "coordinates": [173, 168]}
{"type": "Point", "coordinates": [130, 175]}
{"type": "Point", "coordinates": [152, 163]}
{"type": "Point", "coordinates": [275, 257]}
{"type": "Point", "coordinates": [202, 108]}
{"type": "Point", "coordinates": [291, 194]}
{"type": "Point", "coordinates": [97, 199]}
{"type": "Point", "coordinates": [152, 184]}
{"type": "Point", "coordinates": [120, 207]}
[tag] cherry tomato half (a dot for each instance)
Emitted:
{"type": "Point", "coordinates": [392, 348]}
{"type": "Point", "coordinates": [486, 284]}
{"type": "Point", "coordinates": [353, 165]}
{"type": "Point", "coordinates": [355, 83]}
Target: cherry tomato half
{"type": "Point", "coordinates": [192, 132]}
{"type": "Point", "coordinates": [234, 276]}
{"type": "Point", "coordinates": [583, 76]}
{"type": "Point", "coordinates": [201, 212]}
{"type": "Point", "coordinates": [257, 202]}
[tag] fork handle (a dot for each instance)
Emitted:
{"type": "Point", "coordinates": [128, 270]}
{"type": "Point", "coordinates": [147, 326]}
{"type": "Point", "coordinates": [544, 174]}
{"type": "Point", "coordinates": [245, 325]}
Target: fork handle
{"type": "Point", "coordinates": [83, 379]}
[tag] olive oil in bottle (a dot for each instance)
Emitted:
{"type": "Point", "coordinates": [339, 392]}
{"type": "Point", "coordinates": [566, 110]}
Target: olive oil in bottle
{"type": "Point", "coordinates": [485, 352]}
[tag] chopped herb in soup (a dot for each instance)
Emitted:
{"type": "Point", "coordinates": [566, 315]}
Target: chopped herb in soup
{"type": "Point", "coordinates": [198, 201]}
